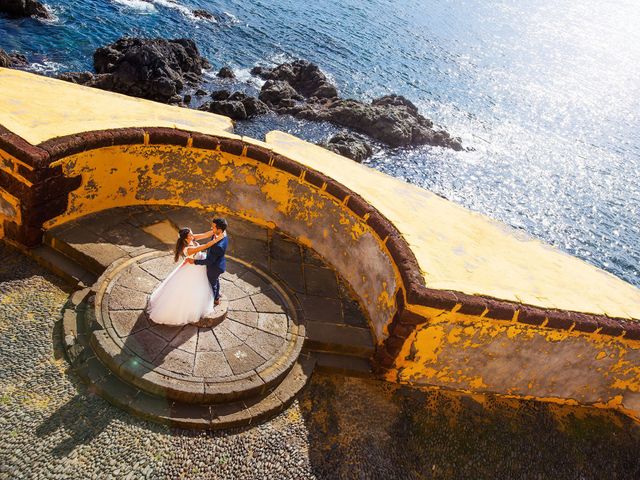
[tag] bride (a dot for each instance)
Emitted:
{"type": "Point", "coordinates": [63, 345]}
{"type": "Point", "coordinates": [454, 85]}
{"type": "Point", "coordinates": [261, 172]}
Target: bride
{"type": "Point", "coordinates": [186, 294]}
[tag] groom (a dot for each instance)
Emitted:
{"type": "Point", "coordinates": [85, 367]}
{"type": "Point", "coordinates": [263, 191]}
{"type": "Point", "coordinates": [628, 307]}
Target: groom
{"type": "Point", "coordinates": [215, 261]}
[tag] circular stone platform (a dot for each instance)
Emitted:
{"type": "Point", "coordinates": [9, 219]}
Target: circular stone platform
{"type": "Point", "coordinates": [244, 354]}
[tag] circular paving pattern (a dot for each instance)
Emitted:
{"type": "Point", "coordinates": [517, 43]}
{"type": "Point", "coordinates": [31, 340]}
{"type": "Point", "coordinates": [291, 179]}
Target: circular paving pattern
{"type": "Point", "coordinates": [245, 354]}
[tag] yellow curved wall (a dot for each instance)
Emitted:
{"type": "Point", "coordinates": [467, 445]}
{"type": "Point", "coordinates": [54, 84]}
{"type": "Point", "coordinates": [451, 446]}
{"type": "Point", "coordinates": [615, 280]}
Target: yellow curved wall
{"type": "Point", "coordinates": [214, 180]}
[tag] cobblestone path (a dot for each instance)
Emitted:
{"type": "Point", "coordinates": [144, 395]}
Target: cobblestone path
{"type": "Point", "coordinates": [52, 427]}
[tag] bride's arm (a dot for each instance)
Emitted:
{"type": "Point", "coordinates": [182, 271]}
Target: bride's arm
{"type": "Point", "coordinates": [199, 236]}
{"type": "Point", "coordinates": [192, 250]}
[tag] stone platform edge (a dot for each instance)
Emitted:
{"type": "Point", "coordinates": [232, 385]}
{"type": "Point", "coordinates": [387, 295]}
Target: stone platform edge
{"type": "Point", "coordinates": [111, 350]}
{"type": "Point", "coordinates": [78, 331]}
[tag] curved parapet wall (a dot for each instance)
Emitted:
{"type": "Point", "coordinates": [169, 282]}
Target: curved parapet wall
{"type": "Point", "coordinates": [454, 299]}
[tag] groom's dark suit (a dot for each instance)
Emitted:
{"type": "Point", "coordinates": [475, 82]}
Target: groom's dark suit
{"type": "Point", "coordinates": [216, 264]}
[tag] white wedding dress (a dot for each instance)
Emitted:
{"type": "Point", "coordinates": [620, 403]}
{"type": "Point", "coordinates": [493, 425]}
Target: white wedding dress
{"type": "Point", "coordinates": [184, 296]}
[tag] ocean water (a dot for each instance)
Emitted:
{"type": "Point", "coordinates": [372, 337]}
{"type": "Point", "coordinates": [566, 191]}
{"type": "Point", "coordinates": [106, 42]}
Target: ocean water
{"type": "Point", "coordinates": [545, 93]}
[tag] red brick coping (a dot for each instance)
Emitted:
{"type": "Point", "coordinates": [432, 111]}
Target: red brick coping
{"type": "Point", "coordinates": [48, 198]}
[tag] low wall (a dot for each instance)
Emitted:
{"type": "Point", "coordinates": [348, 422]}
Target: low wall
{"type": "Point", "coordinates": [477, 353]}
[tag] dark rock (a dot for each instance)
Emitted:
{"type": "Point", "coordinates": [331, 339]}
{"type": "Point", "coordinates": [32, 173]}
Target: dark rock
{"type": "Point", "coordinates": [226, 72]}
{"type": "Point", "coordinates": [82, 78]}
{"type": "Point", "coordinates": [395, 101]}
{"type": "Point", "coordinates": [200, 13]}
{"type": "Point", "coordinates": [226, 103]}
{"type": "Point", "coordinates": [232, 109]}
{"type": "Point", "coordinates": [220, 94]}
{"type": "Point", "coordinates": [156, 69]}
{"type": "Point", "coordinates": [12, 60]}
{"type": "Point", "coordinates": [392, 120]}
{"type": "Point", "coordinates": [349, 145]}
{"type": "Point", "coordinates": [259, 71]}
{"type": "Point", "coordinates": [255, 107]}
{"type": "Point", "coordinates": [240, 96]}
{"type": "Point", "coordinates": [279, 94]}
{"type": "Point", "coordinates": [24, 8]}
{"type": "Point", "coordinates": [200, 93]}
{"type": "Point", "coordinates": [192, 77]}
{"type": "Point", "coordinates": [300, 89]}
{"type": "Point", "coordinates": [187, 99]}
{"type": "Point", "coordinates": [305, 77]}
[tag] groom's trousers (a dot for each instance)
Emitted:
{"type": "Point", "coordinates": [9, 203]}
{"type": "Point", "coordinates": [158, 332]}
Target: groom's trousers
{"type": "Point", "coordinates": [215, 285]}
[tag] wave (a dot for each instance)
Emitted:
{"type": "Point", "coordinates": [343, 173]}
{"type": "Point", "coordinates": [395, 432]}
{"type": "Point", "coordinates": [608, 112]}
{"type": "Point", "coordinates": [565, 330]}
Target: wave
{"type": "Point", "coordinates": [140, 5]}
{"type": "Point", "coordinates": [187, 12]}
{"type": "Point", "coordinates": [278, 58]}
{"type": "Point", "coordinates": [151, 6]}
{"type": "Point", "coordinates": [46, 67]}
{"type": "Point", "coordinates": [244, 75]}
{"type": "Point", "coordinates": [231, 18]}
{"type": "Point", "coordinates": [54, 18]}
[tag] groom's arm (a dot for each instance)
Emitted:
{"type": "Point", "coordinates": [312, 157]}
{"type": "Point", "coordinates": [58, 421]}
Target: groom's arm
{"type": "Point", "coordinates": [213, 254]}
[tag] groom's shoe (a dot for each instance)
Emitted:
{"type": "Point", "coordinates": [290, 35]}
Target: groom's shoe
{"type": "Point", "coordinates": [216, 302]}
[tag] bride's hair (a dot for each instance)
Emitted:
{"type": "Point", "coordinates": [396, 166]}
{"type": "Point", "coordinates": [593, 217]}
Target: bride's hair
{"type": "Point", "coordinates": [181, 243]}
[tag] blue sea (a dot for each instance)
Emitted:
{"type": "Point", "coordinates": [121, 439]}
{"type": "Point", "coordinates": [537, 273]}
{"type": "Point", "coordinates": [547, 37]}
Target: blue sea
{"type": "Point", "coordinates": [545, 93]}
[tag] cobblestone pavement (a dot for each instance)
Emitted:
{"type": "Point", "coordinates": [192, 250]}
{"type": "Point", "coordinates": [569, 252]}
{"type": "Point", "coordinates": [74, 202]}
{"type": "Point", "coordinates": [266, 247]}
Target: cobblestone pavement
{"type": "Point", "coordinates": [52, 427]}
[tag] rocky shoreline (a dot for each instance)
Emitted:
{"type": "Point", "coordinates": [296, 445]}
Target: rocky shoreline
{"type": "Point", "coordinates": [167, 70]}
{"type": "Point", "coordinates": [24, 8]}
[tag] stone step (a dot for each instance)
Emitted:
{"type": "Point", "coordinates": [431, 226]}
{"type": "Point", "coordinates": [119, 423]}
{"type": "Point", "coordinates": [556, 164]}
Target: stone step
{"type": "Point", "coordinates": [186, 415]}
{"type": "Point", "coordinates": [343, 364]}
{"type": "Point", "coordinates": [62, 266]}
{"type": "Point", "coordinates": [339, 338]}
{"type": "Point", "coordinates": [81, 251]}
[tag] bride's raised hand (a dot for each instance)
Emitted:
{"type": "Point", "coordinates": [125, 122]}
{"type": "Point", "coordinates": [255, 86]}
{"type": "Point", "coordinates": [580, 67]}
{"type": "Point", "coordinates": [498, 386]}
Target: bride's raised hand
{"type": "Point", "coordinates": [199, 236]}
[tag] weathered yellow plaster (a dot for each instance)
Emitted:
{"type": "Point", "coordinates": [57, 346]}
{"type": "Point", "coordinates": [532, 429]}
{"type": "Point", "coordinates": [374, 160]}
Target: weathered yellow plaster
{"type": "Point", "coordinates": [461, 250]}
{"type": "Point", "coordinates": [9, 210]}
{"type": "Point", "coordinates": [480, 354]}
{"type": "Point", "coordinates": [40, 108]}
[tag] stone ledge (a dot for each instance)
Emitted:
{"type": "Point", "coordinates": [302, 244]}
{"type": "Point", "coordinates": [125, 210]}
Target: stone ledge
{"type": "Point", "coordinates": [187, 415]}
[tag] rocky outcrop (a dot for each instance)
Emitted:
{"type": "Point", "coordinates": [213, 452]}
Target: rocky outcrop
{"type": "Point", "coordinates": [279, 95]}
{"type": "Point", "coordinates": [201, 13]}
{"type": "Point", "coordinates": [155, 69]}
{"type": "Point", "coordinates": [12, 60]}
{"type": "Point", "coordinates": [237, 105]}
{"type": "Point", "coordinates": [226, 72]}
{"type": "Point", "coordinates": [24, 8]}
{"type": "Point", "coordinates": [300, 89]}
{"type": "Point", "coordinates": [305, 77]}
{"type": "Point", "coordinates": [349, 145]}
{"type": "Point", "coordinates": [81, 78]}
{"type": "Point", "coordinates": [392, 120]}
